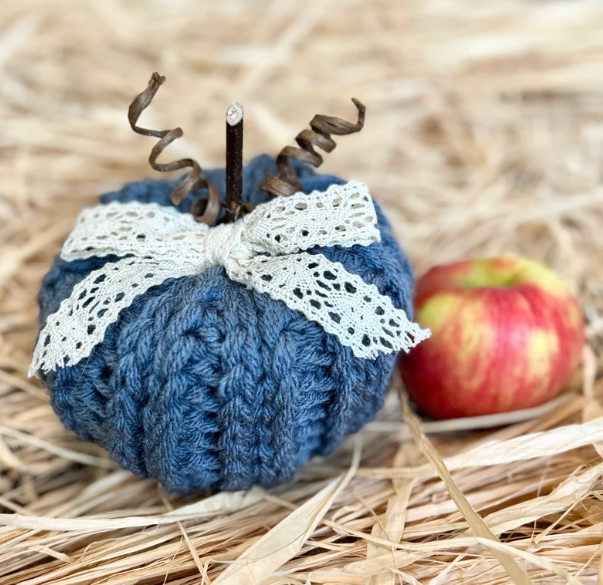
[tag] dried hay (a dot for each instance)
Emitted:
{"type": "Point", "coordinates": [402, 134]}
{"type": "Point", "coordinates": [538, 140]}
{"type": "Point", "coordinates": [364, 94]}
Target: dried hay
{"type": "Point", "coordinates": [484, 135]}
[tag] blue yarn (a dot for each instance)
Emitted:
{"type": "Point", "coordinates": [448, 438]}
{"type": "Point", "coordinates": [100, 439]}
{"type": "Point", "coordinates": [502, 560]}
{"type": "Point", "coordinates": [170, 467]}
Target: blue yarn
{"type": "Point", "coordinates": [203, 382]}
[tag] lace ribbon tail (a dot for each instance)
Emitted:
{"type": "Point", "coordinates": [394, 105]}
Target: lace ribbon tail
{"type": "Point", "coordinates": [72, 332]}
{"type": "Point", "coordinates": [342, 303]}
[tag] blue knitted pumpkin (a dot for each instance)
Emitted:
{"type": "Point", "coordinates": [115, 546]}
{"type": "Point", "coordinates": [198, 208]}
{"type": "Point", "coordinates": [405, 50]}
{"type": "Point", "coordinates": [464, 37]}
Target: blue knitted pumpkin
{"type": "Point", "coordinates": [203, 382]}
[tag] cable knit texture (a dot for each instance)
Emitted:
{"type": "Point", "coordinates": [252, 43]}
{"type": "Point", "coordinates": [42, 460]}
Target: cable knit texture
{"type": "Point", "coordinates": [203, 382]}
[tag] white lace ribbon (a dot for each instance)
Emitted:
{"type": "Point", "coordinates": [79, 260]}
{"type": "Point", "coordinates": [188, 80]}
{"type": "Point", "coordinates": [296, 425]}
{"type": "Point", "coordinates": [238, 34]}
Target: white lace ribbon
{"type": "Point", "coordinates": [265, 251]}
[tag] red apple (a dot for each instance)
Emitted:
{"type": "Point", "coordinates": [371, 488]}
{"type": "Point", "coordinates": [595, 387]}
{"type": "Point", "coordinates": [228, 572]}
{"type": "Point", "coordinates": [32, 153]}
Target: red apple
{"type": "Point", "coordinates": [506, 334]}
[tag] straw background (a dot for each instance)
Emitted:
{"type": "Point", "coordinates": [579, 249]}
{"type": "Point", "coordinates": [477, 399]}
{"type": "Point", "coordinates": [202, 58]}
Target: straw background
{"type": "Point", "coordinates": [484, 135]}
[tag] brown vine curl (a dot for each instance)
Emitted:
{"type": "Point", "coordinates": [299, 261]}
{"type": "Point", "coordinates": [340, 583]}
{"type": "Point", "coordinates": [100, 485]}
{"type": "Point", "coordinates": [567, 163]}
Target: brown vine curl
{"type": "Point", "coordinates": [203, 210]}
{"type": "Point", "coordinates": [322, 127]}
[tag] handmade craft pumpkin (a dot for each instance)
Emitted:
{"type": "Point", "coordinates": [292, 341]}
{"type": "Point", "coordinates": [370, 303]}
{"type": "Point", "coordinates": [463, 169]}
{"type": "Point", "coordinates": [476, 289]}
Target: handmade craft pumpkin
{"type": "Point", "coordinates": [225, 356]}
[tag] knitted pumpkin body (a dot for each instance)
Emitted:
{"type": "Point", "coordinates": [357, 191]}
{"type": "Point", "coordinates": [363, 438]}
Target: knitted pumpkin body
{"type": "Point", "coordinates": [203, 382]}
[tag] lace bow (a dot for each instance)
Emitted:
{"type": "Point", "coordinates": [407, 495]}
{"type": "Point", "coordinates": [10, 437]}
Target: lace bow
{"type": "Point", "coordinates": [264, 251]}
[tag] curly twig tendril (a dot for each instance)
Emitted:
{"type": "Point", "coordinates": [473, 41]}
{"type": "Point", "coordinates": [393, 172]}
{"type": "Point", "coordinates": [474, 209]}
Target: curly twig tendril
{"type": "Point", "coordinates": [319, 136]}
{"type": "Point", "coordinates": [203, 210]}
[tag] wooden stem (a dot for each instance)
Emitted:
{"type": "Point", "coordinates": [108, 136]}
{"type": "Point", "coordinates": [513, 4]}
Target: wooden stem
{"type": "Point", "coordinates": [234, 161]}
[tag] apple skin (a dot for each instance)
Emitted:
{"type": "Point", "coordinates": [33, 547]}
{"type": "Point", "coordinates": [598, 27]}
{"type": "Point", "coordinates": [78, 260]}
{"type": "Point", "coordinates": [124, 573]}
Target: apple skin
{"type": "Point", "coordinates": [506, 334]}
